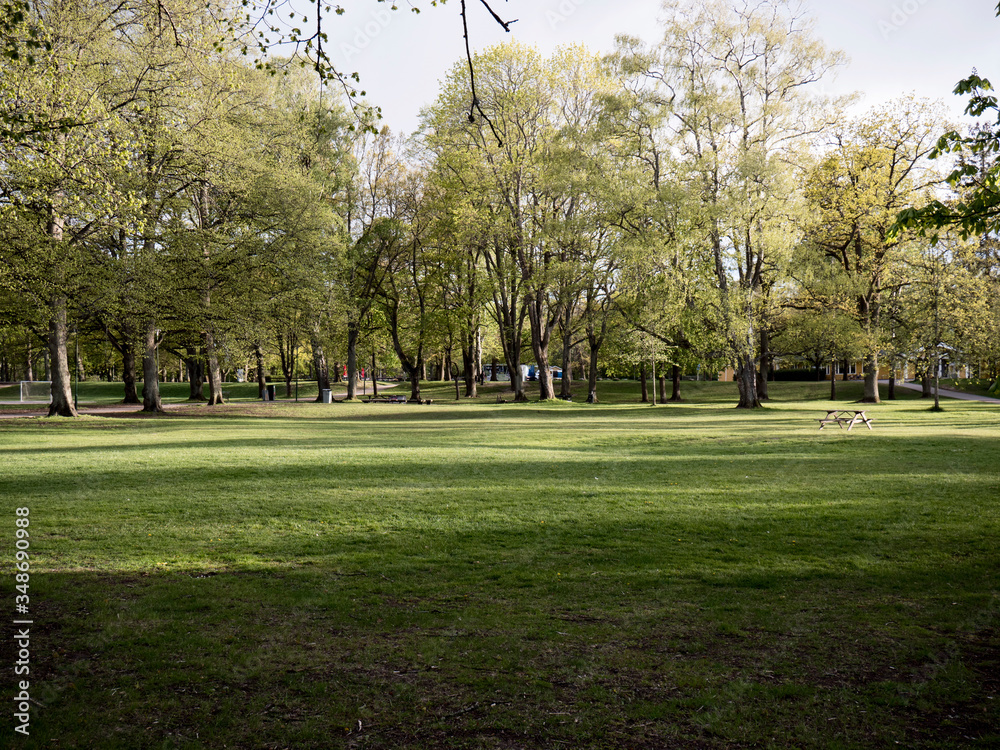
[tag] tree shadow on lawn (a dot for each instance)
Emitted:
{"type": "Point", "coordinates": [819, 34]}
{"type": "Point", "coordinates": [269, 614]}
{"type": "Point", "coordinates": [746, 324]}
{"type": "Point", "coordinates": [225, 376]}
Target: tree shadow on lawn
{"type": "Point", "coordinates": [314, 461]}
{"type": "Point", "coordinates": [426, 430]}
{"type": "Point", "coordinates": [437, 652]}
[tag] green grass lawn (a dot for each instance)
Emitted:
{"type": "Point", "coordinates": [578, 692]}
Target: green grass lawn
{"type": "Point", "coordinates": [483, 575]}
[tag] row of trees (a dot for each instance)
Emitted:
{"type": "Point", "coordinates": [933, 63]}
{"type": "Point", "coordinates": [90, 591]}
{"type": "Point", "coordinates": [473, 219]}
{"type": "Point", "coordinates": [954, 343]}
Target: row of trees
{"type": "Point", "coordinates": [692, 201]}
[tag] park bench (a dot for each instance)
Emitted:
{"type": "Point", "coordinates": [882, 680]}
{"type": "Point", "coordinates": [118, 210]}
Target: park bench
{"type": "Point", "coordinates": [840, 417]}
{"type": "Point", "coordinates": [385, 400]}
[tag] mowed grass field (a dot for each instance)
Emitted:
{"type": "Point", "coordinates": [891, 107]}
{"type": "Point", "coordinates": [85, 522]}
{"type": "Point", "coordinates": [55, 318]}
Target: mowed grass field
{"type": "Point", "coordinates": [482, 575]}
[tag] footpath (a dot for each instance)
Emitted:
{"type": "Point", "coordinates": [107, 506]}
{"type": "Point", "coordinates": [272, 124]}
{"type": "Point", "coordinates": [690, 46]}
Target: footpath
{"type": "Point", "coordinates": [946, 394]}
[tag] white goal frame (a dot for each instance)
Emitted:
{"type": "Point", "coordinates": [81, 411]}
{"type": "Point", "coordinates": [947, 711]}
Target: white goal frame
{"type": "Point", "coordinates": [31, 390]}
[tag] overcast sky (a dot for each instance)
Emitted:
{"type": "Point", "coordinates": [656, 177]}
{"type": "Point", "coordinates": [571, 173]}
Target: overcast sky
{"type": "Point", "coordinates": [896, 47]}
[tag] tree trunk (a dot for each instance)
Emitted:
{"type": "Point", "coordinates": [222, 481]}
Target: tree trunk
{"type": "Point", "coordinates": [595, 340]}
{"type": "Point", "coordinates": [320, 364]}
{"type": "Point", "coordinates": [196, 374]}
{"type": "Point", "coordinates": [128, 372]}
{"type": "Point", "coordinates": [926, 385]}
{"type": "Point", "coordinates": [214, 374]}
{"type": "Point", "coordinates": [150, 373]}
{"type": "Point", "coordinates": [261, 379]}
{"type": "Point", "coordinates": [414, 375]}
{"type": "Point", "coordinates": [353, 333]}
{"type": "Point", "coordinates": [833, 379]}
{"type": "Point", "coordinates": [62, 385]}
{"type": "Point", "coordinates": [592, 374]}
{"type": "Point", "coordinates": [517, 383]}
{"type": "Point", "coordinates": [661, 384]}
{"type": "Point", "coordinates": [541, 334]}
{"type": "Point", "coordinates": [512, 355]}
{"type": "Point", "coordinates": [746, 382]}
{"type": "Point", "coordinates": [652, 378]}
{"type": "Point", "coordinates": [469, 370]}
{"type": "Point", "coordinates": [642, 381]}
{"type": "Point", "coordinates": [286, 352]}
{"type": "Point", "coordinates": [374, 380]}
{"type": "Point", "coordinates": [765, 364]}
{"type": "Point", "coordinates": [493, 370]}
{"type": "Point", "coordinates": [479, 356]}
{"type": "Point", "coordinates": [566, 386]}
{"type": "Point", "coordinates": [937, 376]}
{"type": "Point", "coordinates": [891, 395]}
{"type": "Point", "coordinates": [871, 380]}
{"type": "Point", "coordinates": [675, 386]}
{"type": "Point", "coordinates": [211, 357]}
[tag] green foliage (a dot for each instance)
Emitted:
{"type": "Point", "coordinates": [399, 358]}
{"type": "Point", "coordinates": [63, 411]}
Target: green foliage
{"type": "Point", "coordinates": [975, 208]}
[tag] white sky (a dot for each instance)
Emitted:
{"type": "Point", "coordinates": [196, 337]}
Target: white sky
{"type": "Point", "coordinates": [896, 47]}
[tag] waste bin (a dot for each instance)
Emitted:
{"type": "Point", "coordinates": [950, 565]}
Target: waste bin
{"type": "Point", "coordinates": [327, 396]}
{"type": "Point", "coordinates": [269, 389]}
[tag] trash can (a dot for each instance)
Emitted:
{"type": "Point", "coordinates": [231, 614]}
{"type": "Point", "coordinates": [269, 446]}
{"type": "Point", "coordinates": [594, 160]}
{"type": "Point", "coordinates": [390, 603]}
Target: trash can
{"type": "Point", "coordinates": [327, 396]}
{"type": "Point", "coordinates": [270, 392]}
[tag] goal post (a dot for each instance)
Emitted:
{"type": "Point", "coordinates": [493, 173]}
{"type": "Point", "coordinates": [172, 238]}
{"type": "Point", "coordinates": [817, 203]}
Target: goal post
{"type": "Point", "coordinates": [36, 390]}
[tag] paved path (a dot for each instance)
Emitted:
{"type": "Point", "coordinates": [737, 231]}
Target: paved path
{"type": "Point", "coordinates": [944, 393]}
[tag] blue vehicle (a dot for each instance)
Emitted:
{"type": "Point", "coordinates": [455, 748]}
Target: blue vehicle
{"type": "Point", "coordinates": [533, 372]}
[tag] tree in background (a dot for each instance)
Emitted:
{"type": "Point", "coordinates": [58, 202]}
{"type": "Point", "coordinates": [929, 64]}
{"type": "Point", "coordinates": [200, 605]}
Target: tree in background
{"type": "Point", "coordinates": [61, 185]}
{"type": "Point", "coordinates": [733, 84]}
{"type": "Point", "coordinates": [878, 165]}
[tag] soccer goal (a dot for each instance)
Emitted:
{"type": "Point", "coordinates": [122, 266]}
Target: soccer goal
{"type": "Point", "coordinates": [36, 390]}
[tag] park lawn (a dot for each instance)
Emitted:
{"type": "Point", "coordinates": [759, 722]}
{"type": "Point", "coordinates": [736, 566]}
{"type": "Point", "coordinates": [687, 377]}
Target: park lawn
{"type": "Point", "coordinates": [486, 575]}
{"type": "Point", "coordinates": [100, 393]}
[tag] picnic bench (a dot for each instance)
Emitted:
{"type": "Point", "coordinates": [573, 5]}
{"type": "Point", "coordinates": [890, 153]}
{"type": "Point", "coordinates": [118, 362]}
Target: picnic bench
{"type": "Point", "coordinates": [384, 400]}
{"type": "Point", "coordinates": [840, 417]}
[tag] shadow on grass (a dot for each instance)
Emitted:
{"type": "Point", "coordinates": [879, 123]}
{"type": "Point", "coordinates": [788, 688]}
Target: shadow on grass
{"type": "Point", "coordinates": [468, 640]}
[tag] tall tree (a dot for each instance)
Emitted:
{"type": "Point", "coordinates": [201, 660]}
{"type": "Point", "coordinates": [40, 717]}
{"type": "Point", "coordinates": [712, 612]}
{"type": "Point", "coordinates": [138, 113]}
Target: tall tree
{"type": "Point", "coordinates": [61, 184]}
{"type": "Point", "coordinates": [530, 173]}
{"type": "Point", "coordinates": [877, 166]}
{"type": "Point", "coordinates": [735, 81]}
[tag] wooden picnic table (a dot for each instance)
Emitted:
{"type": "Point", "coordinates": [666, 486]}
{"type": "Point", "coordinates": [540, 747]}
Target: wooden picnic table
{"type": "Point", "coordinates": [850, 417]}
{"type": "Point", "coordinates": [384, 400]}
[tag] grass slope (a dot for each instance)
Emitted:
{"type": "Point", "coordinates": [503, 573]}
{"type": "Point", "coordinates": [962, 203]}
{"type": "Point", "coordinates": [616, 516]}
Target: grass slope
{"type": "Point", "coordinates": [513, 576]}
